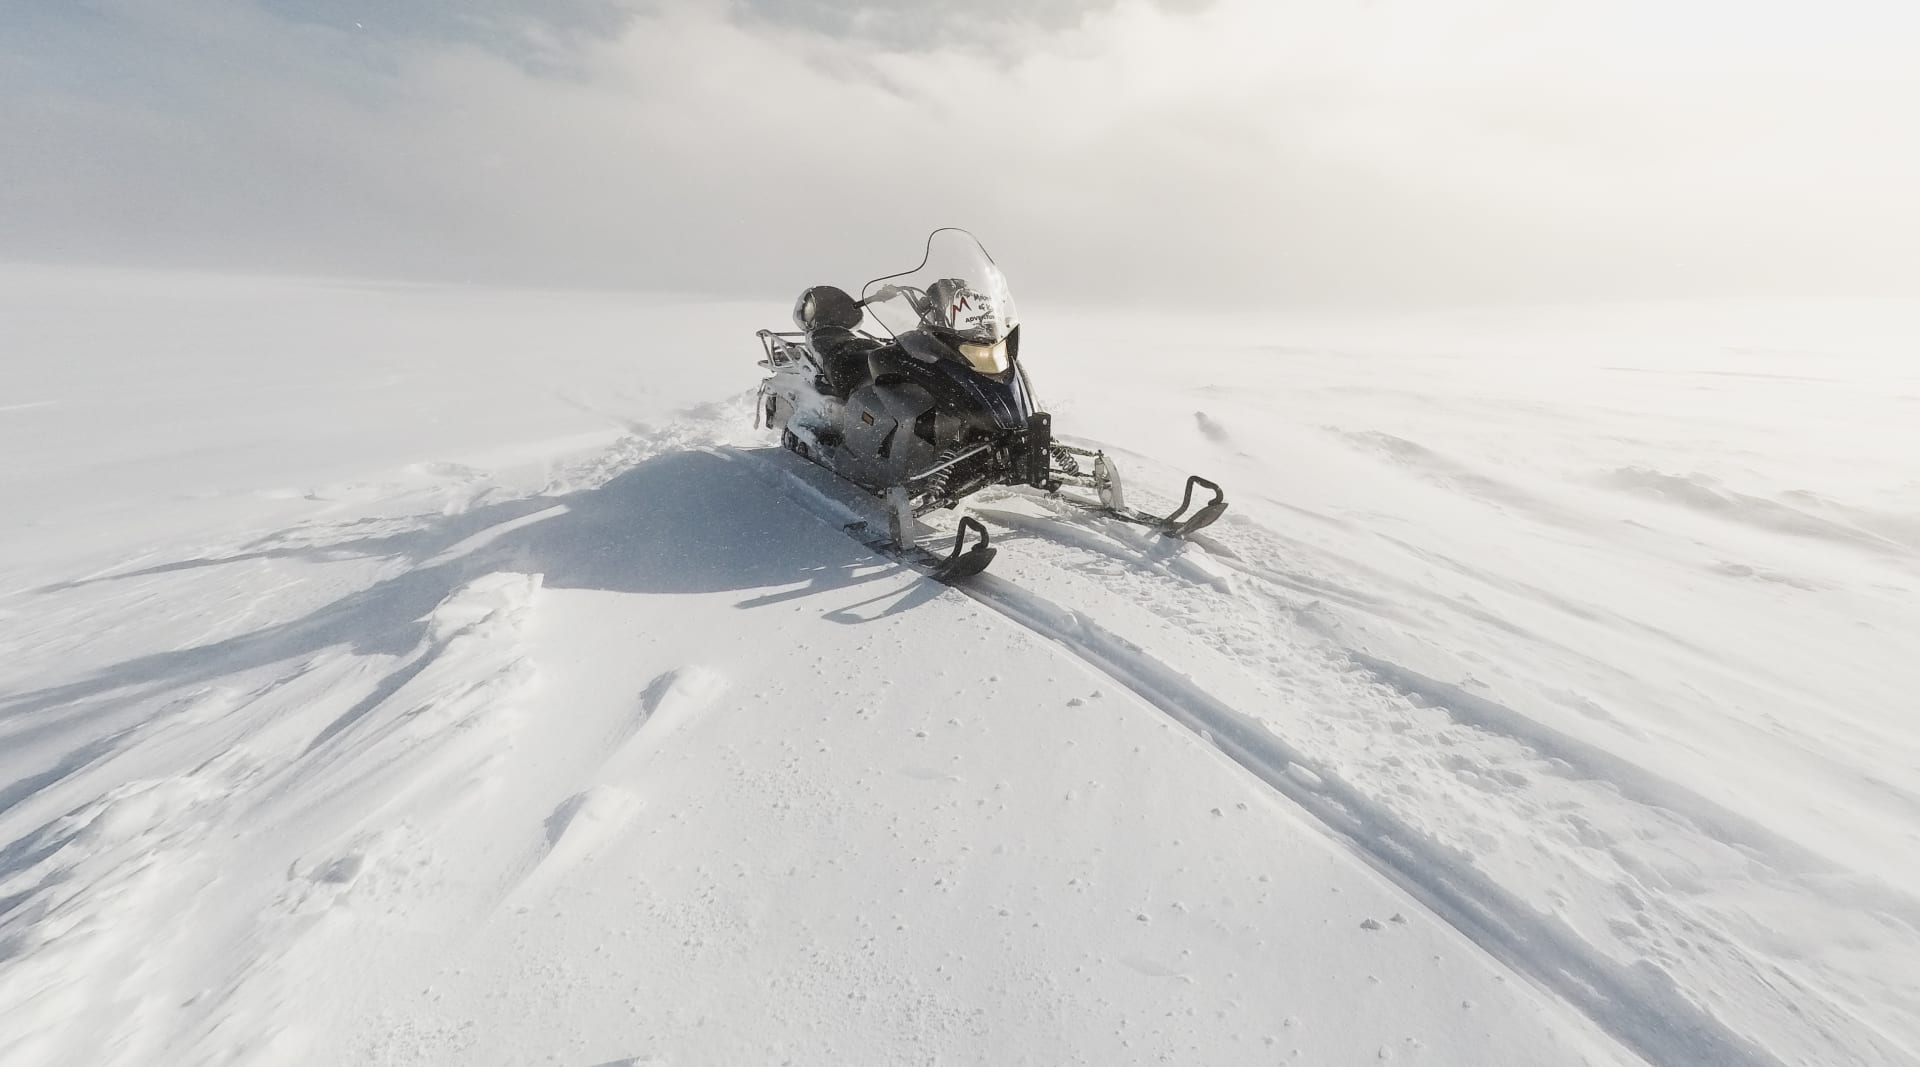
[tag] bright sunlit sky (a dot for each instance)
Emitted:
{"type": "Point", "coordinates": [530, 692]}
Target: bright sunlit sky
{"type": "Point", "coordinates": [1275, 150]}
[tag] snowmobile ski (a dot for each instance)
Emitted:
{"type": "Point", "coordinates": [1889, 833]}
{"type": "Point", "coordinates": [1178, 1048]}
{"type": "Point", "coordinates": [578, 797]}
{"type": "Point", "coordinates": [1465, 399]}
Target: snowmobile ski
{"type": "Point", "coordinates": [956, 566]}
{"type": "Point", "coordinates": [1105, 481]}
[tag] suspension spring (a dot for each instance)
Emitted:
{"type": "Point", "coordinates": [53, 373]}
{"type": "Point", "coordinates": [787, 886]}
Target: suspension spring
{"type": "Point", "coordinates": [937, 482]}
{"type": "Point", "coordinates": [1064, 459]}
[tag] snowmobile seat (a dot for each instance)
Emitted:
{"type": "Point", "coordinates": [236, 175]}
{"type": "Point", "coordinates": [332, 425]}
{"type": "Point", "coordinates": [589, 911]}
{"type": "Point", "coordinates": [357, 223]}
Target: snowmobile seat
{"type": "Point", "coordinates": [843, 357]}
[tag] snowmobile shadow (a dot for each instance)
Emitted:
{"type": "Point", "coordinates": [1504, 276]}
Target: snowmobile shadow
{"type": "Point", "coordinates": [912, 597]}
{"type": "Point", "coordinates": [682, 523]}
{"type": "Point", "coordinates": [698, 522]}
{"type": "Point", "coordinates": [685, 522]}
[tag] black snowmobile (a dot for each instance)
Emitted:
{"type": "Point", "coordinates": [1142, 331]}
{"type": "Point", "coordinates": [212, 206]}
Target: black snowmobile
{"type": "Point", "coordinates": [937, 408]}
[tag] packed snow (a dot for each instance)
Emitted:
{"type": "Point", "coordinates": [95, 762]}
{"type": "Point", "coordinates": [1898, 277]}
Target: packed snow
{"type": "Point", "coordinates": [408, 674]}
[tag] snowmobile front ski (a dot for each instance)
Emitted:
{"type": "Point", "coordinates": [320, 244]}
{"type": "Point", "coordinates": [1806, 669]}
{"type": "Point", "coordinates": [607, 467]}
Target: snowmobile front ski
{"type": "Point", "coordinates": [961, 563]}
{"type": "Point", "coordinates": [1175, 526]}
{"type": "Point", "coordinates": [964, 562]}
{"type": "Point", "coordinates": [882, 522]}
{"type": "Point", "coordinates": [1105, 480]}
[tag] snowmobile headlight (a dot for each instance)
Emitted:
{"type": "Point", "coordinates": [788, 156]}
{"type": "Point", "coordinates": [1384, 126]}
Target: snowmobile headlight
{"type": "Point", "coordinates": [987, 359]}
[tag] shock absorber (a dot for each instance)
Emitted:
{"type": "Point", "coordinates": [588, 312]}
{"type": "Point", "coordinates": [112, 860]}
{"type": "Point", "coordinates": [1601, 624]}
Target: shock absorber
{"type": "Point", "coordinates": [937, 482]}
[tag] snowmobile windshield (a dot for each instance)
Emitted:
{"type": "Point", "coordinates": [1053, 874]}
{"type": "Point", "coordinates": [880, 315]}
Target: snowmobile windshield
{"type": "Point", "coordinates": [956, 292]}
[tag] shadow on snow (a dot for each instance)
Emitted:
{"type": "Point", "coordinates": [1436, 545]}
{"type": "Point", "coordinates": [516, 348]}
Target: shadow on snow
{"type": "Point", "coordinates": [690, 522]}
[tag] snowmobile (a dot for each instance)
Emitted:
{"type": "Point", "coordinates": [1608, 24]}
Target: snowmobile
{"type": "Point", "coordinates": [934, 406]}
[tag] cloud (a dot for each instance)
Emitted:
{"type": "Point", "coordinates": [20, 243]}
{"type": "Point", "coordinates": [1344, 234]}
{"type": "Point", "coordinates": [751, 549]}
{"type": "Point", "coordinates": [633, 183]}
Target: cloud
{"type": "Point", "coordinates": [1244, 149]}
{"type": "Point", "coordinates": [923, 27]}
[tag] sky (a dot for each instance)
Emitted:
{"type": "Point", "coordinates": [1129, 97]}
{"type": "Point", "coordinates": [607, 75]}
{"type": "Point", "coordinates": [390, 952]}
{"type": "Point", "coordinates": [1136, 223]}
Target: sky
{"type": "Point", "coordinates": [1268, 151]}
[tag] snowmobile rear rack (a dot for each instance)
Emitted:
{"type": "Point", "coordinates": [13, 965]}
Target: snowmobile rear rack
{"type": "Point", "coordinates": [781, 348]}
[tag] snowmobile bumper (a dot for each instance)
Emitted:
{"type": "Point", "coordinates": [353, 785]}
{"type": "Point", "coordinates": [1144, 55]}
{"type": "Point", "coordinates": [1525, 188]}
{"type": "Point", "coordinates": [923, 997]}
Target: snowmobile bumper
{"type": "Point", "coordinates": [1037, 451]}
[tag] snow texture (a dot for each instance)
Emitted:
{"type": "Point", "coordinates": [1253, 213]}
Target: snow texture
{"type": "Point", "coordinates": [424, 676]}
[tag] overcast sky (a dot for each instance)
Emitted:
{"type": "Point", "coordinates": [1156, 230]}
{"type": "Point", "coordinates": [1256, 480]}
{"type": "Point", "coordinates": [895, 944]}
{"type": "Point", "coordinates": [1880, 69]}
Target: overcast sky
{"type": "Point", "coordinates": [1280, 150]}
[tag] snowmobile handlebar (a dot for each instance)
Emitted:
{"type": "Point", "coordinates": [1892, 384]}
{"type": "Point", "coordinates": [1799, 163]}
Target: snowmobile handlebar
{"type": "Point", "coordinates": [913, 295]}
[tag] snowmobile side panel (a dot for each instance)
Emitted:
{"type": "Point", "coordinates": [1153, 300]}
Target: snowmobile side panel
{"type": "Point", "coordinates": [881, 448]}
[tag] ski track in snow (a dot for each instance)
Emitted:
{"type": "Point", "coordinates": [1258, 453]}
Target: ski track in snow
{"type": "Point", "coordinates": [1626, 959]}
{"type": "Point", "coordinates": [1644, 1015]}
{"type": "Point", "coordinates": [1669, 863]}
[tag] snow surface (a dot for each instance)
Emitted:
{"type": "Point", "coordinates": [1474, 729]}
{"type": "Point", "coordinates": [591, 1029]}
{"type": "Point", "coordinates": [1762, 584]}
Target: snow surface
{"type": "Point", "coordinates": [427, 675]}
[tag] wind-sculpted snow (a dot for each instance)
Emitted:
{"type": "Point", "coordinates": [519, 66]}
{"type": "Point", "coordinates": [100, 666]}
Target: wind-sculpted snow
{"type": "Point", "coordinates": [1702, 494]}
{"type": "Point", "coordinates": [604, 742]}
{"type": "Point", "coordinates": [114, 899]}
{"type": "Point", "coordinates": [397, 797]}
